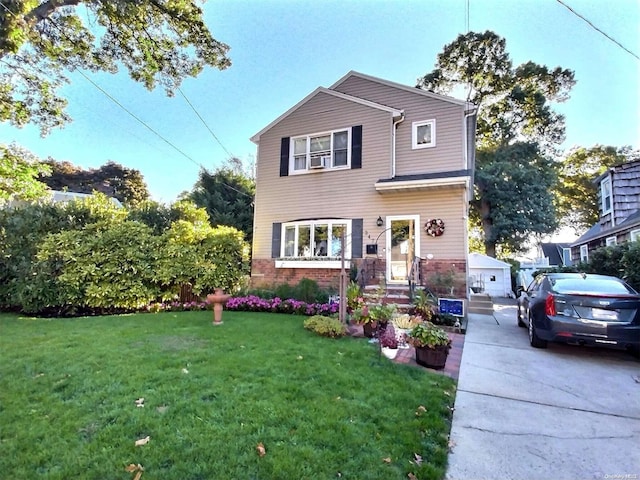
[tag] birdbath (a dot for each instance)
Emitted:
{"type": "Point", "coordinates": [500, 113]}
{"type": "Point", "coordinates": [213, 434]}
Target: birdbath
{"type": "Point", "coordinates": [218, 298]}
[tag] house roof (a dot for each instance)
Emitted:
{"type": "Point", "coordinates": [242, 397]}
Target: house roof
{"type": "Point", "coordinates": [553, 251]}
{"type": "Point", "coordinates": [596, 230]}
{"type": "Point", "coordinates": [393, 111]}
{"type": "Point", "coordinates": [418, 91]}
{"type": "Point", "coordinates": [66, 196]}
{"type": "Point", "coordinates": [478, 260]}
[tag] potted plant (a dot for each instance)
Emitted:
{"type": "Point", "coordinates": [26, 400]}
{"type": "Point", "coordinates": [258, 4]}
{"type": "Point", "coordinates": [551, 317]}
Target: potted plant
{"type": "Point", "coordinates": [431, 343]}
{"type": "Point", "coordinates": [389, 342]}
{"type": "Point", "coordinates": [403, 324]}
{"type": "Point", "coordinates": [382, 313]}
{"type": "Point", "coordinates": [362, 316]}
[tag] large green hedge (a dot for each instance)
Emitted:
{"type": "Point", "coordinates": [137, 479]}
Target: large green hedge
{"type": "Point", "coordinates": [91, 256]}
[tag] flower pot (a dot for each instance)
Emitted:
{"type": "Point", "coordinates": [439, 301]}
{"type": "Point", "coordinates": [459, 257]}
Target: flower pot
{"type": "Point", "coordinates": [390, 353]}
{"type": "Point", "coordinates": [401, 336]}
{"type": "Point", "coordinates": [432, 357]}
{"type": "Point", "coordinates": [369, 329]}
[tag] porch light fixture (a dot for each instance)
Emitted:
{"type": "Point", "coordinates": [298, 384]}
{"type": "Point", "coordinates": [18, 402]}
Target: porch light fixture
{"type": "Point", "coordinates": [379, 222]}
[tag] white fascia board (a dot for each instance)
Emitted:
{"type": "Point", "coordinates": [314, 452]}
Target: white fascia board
{"type": "Point", "coordinates": [426, 183]}
{"type": "Point", "coordinates": [394, 112]}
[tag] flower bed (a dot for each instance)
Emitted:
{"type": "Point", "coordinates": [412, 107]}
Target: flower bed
{"type": "Point", "coordinates": [253, 303]}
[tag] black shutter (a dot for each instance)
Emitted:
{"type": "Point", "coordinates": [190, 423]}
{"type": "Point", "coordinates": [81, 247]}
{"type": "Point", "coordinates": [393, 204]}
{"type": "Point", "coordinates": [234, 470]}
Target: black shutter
{"type": "Point", "coordinates": [275, 239]}
{"type": "Point", "coordinates": [356, 238]}
{"type": "Point", "coordinates": [356, 146]}
{"type": "Point", "coordinates": [284, 157]}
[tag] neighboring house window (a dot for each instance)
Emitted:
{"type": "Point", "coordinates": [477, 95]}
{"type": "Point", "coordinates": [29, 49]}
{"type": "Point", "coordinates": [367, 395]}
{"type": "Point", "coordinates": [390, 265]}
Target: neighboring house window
{"type": "Point", "coordinates": [319, 238]}
{"type": "Point", "coordinates": [611, 241]}
{"type": "Point", "coordinates": [566, 256]}
{"type": "Point", "coordinates": [605, 190]}
{"type": "Point", "coordinates": [635, 235]}
{"type": "Point", "coordinates": [321, 150]}
{"type": "Point", "coordinates": [424, 134]}
{"type": "Point", "coordinates": [584, 253]}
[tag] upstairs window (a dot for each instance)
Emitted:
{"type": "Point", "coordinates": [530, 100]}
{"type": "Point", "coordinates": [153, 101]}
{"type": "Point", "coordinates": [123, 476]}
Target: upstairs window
{"type": "Point", "coordinates": [605, 192]}
{"type": "Point", "coordinates": [423, 134]}
{"type": "Point", "coordinates": [321, 151]}
{"type": "Point", "coordinates": [610, 241]}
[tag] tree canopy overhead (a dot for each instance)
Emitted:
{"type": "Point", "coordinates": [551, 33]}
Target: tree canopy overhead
{"type": "Point", "coordinates": [159, 42]}
{"type": "Point", "coordinates": [516, 127]}
{"type": "Point", "coordinates": [513, 103]}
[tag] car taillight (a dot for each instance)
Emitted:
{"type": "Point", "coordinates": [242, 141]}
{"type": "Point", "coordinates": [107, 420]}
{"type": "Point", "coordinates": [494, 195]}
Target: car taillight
{"type": "Point", "coordinates": [550, 306]}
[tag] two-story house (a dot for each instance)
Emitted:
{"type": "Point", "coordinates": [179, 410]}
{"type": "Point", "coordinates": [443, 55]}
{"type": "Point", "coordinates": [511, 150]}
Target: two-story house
{"type": "Point", "coordinates": [619, 200]}
{"type": "Point", "coordinates": [388, 167]}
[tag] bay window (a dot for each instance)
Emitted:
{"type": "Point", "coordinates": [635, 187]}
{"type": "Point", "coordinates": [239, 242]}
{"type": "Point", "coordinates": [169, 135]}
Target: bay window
{"type": "Point", "coordinates": [314, 239]}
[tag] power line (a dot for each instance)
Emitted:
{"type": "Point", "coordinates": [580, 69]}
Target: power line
{"type": "Point", "coordinates": [597, 29]}
{"type": "Point", "coordinates": [203, 122]}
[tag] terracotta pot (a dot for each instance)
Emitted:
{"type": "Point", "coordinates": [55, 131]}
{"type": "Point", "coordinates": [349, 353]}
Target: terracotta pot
{"type": "Point", "coordinates": [432, 357]}
{"type": "Point", "coordinates": [217, 298]}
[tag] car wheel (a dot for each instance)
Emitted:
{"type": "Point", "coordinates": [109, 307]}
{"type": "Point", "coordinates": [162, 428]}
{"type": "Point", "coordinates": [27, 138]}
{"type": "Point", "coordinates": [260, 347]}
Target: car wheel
{"type": "Point", "coordinates": [534, 339]}
{"type": "Point", "coordinates": [520, 322]}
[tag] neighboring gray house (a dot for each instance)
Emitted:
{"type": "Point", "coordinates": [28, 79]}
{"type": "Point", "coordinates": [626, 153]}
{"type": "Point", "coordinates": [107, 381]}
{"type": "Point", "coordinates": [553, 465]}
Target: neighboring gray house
{"type": "Point", "coordinates": [619, 199]}
{"type": "Point", "coordinates": [390, 166]}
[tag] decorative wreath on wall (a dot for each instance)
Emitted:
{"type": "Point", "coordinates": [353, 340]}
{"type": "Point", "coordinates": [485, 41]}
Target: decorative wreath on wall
{"type": "Point", "coordinates": [434, 227]}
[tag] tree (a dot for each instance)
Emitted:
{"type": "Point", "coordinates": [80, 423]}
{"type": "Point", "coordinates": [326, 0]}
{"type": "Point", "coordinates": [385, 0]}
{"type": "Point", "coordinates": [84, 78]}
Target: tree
{"type": "Point", "coordinates": [112, 179]}
{"type": "Point", "coordinates": [577, 195]}
{"type": "Point", "coordinates": [227, 195]}
{"type": "Point", "coordinates": [513, 195]}
{"type": "Point", "coordinates": [513, 107]}
{"type": "Point", "coordinates": [157, 41]}
{"type": "Point", "coordinates": [19, 172]}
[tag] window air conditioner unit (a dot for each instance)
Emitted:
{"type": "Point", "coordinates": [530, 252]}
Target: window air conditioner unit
{"type": "Point", "coordinates": [320, 162]}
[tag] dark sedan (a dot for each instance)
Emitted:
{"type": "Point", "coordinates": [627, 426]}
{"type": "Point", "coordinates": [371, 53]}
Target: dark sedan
{"type": "Point", "coordinates": [582, 309]}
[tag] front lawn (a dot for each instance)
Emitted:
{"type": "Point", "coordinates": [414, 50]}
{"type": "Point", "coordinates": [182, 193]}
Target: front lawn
{"type": "Point", "coordinates": [321, 408]}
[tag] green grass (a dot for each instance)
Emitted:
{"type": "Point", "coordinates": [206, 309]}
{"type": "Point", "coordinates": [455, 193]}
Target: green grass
{"type": "Point", "coordinates": [323, 408]}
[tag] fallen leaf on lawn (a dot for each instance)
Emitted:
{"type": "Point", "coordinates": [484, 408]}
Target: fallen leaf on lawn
{"type": "Point", "coordinates": [420, 410]}
{"type": "Point", "coordinates": [162, 409]}
{"type": "Point", "coordinates": [39, 375]}
{"type": "Point", "coordinates": [135, 468]}
{"type": "Point", "coordinates": [140, 402]}
{"type": "Point", "coordinates": [184, 370]}
{"type": "Point", "coordinates": [387, 460]}
{"type": "Point", "coordinates": [412, 476]}
{"type": "Point", "coordinates": [339, 475]}
{"type": "Point", "coordinates": [300, 357]}
{"type": "Point", "coordinates": [418, 458]}
{"type": "Point", "coordinates": [338, 398]}
{"type": "Point", "coordinates": [261, 450]}
{"type": "Point", "coordinates": [143, 441]}
{"type": "Point", "coordinates": [447, 393]}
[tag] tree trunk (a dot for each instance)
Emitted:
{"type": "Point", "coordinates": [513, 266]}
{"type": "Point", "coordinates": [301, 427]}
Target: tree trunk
{"type": "Point", "coordinates": [487, 227]}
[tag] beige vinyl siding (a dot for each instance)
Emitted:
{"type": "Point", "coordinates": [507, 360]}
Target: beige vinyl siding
{"type": "Point", "coordinates": [320, 193]}
{"type": "Point", "coordinates": [447, 155]}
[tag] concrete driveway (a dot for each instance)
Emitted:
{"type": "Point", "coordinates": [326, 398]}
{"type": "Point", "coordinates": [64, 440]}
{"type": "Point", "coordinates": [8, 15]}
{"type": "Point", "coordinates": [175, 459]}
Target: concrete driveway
{"type": "Point", "coordinates": [521, 413]}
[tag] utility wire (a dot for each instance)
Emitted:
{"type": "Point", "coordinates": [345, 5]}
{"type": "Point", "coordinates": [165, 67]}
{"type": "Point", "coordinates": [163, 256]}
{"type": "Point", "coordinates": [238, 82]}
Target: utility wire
{"type": "Point", "coordinates": [597, 29]}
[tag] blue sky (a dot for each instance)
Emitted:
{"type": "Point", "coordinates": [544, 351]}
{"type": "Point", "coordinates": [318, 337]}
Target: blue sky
{"type": "Point", "coordinates": [283, 50]}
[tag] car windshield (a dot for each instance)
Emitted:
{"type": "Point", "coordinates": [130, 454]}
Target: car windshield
{"type": "Point", "coordinates": [592, 285]}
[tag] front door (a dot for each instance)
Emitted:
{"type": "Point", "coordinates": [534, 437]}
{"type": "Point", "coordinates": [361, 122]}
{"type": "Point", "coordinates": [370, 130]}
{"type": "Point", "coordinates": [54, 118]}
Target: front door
{"type": "Point", "coordinates": [403, 243]}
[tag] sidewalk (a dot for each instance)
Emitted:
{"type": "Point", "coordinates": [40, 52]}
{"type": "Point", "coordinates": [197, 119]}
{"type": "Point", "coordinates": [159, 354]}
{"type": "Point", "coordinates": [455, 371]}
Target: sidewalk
{"type": "Point", "coordinates": [522, 413]}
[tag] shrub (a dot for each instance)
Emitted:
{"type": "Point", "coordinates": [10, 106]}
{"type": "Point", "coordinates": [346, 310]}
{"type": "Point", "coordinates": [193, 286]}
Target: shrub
{"type": "Point", "coordinates": [325, 326]}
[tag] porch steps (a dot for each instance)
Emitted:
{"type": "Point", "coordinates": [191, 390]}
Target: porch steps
{"type": "Point", "coordinates": [481, 304]}
{"type": "Point", "coordinates": [398, 294]}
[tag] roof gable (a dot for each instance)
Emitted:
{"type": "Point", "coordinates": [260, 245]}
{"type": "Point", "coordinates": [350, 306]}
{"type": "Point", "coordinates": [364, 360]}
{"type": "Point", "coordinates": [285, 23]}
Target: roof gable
{"type": "Point", "coordinates": [394, 112]}
{"type": "Point", "coordinates": [417, 91]}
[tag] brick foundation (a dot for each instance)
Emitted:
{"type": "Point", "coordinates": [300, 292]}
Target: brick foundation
{"type": "Point", "coordinates": [264, 273]}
